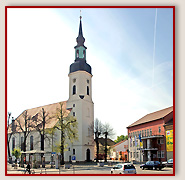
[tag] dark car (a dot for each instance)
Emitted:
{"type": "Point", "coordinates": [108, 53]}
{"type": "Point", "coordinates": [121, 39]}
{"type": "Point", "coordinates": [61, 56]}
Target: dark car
{"type": "Point", "coordinates": [152, 165]}
{"type": "Point", "coordinates": [169, 163]}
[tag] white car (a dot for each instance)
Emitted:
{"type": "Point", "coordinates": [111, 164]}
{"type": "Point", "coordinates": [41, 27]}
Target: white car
{"type": "Point", "coordinates": [126, 168]}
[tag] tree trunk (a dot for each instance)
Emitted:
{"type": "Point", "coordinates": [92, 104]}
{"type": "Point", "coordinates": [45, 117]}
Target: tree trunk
{"type": "Point", "coordinates": [8, 146]}
{"type": "Point", "coordinates": [62, 148]}
{"type": "Point", "coordinates": [97, 149]}
{"type": "Point", "coordinates": [106, 146]}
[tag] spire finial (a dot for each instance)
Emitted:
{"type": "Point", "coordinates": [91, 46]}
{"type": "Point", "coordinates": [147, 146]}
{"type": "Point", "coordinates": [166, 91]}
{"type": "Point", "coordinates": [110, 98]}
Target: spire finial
{"type": "Point", "coordinates": [80, 14]}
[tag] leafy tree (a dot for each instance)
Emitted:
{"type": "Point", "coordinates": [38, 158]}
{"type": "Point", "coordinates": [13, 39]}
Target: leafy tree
{"type": "Point", "coordinates": [67, 125]}
{"type": "Point", "coordinates": [121, 138]}
{"type": "Point", "coordinates": [16, 153]}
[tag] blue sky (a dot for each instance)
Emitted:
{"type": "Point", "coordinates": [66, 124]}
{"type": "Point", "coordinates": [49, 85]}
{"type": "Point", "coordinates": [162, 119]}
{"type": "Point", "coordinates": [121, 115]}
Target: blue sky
{"type": "Point", "coordinates": [120, 48]}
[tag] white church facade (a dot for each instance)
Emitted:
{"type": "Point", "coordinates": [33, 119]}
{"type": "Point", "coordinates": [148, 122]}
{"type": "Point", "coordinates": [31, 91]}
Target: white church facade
{"type": "Point", "coordinates": [79, 105]}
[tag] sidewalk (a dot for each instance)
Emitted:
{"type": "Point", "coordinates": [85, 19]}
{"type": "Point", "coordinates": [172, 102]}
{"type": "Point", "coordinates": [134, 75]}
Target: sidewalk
{"type": "Point", "coordinates": [49, 170]}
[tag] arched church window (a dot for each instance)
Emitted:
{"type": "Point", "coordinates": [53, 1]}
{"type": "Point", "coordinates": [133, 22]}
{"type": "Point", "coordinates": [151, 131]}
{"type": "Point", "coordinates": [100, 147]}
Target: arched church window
{"type": "Point", "coordinates": [31, 142]}
{"type": "Point", "coordinates": [74, 89]}
{"type": "Point", "coordinates": [77, 53]}
{"type": "Point", "coordinates": [13, 143]}
{"type": "Point", "coordinates": [87, 90]}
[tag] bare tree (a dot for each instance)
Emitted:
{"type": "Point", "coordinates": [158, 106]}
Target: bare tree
{"type": "Point", "coordinates": [107, 131]}
{"type": "Point", "coordinates": [25, 126]}
{"type": "Point", "coordinates": [97, 128]}
{"type": "Point", "coordinates": [67, 125]}
{"type": "Point", "coordinates": [9, 135]}
{"type": "Point", "coordinates": [39, 121]}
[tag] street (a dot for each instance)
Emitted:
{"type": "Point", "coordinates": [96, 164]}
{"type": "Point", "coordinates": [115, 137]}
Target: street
{"type": "Point", "coordinates": [86, 169]}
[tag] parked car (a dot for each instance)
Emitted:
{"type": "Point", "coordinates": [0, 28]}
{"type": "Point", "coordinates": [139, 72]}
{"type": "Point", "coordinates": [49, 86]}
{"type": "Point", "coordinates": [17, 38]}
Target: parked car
{"type": "Point", "coordinates": [126, 168]}
{"type": "Point", "coordinates": [169, 163]}
{"type": "Point", "coordinates": [152, 165]}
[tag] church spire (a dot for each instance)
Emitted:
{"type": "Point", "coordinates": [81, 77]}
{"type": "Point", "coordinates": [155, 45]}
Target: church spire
{"type": "Point", "coordinates": [80, 63]}
{"type": "Point", "coordinates": [80, 39]}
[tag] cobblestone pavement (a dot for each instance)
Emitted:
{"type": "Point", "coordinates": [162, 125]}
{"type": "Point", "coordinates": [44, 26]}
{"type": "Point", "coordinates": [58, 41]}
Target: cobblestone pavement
{"type": "Point", "coordinates": [84, 169]}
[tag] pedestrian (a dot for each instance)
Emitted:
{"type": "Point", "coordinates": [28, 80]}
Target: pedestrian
{"type": "Point", "coordinates": [28, 168]}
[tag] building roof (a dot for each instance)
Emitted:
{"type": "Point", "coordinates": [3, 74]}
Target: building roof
{"type": "Point", "coordinates": [34, 114]}
{"type": "Point", "coordinates": [119, 142]}
{"type": "Point", "coordinates": [153, 116]}
{"type": "Point", "coordinates": [109, 141]}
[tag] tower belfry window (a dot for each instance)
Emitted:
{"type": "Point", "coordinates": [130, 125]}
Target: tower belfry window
{"type": "Point", "coordinates": [74, 89]}
{"type": "Point", "coordinates": [77, 53]}
{"type": "Point", "coordinates": [83, 53]}
{"type": "Point", "coordinates": [87, 90]}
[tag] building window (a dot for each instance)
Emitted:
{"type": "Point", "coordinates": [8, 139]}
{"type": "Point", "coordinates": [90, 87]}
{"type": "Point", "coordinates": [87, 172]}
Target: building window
{"type": "Point", "coordinates": [131, 154]}
{"type": "Point", "coordinates": [87, 81]}
{"type": "Point", "coordinates": [158, 154]}
{"type": "Point", "coordinates": [137, 155]}
{"type": "Point", "coordinates": [73, 113]}
{"type": "Point", "coordinates": [162, 141]}
{"type": "Point", "coordinates": [73, 105]}
{"type": "Point", "coordinates": [150, 132]}
{"type": "Point", "coordinates": [147, 132]}
{"type": "Point", "coordinates": [74, 89]}
{"type": "Point", "coordinates": [31, 142]}
{"type": "Point", "coordinates": [162, 154]}
{"type": "Point", "coordinates": [159, 129]}
{"type": "Point", "coordinates": [69, 149]}
{"type": "Point", "coordinates": [87, 90]}
{"type": "Point", "coordinates": [142, 133]}
{"type": "Point", "coordinates": [73, 151]}
{"type": "Point", "coordinates": [158, 141]}
{"type": "Point", "coordinates": [134, 155]}
{"type": "Point", "coordinates": [13, 143]}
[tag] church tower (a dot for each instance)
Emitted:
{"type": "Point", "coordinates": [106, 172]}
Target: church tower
{"type": "Point", "coordinates": [80, 100]}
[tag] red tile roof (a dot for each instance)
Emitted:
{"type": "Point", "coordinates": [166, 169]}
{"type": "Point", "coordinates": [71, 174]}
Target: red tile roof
{"type": "Point", "coordinates": [50, 109]}
{"type": "Point", "coordinates": [153, 116]}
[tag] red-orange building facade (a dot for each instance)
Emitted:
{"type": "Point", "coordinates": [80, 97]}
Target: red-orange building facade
{"type": "Point", "coordinates": [147, 136]}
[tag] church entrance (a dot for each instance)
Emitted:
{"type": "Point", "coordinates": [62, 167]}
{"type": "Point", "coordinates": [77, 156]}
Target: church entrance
{"type": "Point", "coordinates": [88, 155]}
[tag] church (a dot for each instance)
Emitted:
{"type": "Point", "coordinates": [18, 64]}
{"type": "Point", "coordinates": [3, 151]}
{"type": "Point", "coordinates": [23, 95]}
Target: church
{"type": "Point", "coordinates": [78, 105]}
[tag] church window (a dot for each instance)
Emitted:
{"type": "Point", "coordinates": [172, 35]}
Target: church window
{"type": "Point", "coordinates": [74, 89]}
{"type": "Point", "coordinates": [73, 151]}
{"type": "Point", "coordinates": [87, 90]}
{"type": "Point", "coordinates": [87, 81]}
{"type": "Point", "coordinates": [13, 143]}
{"type": "Point", "coordinates": [31, 142]}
